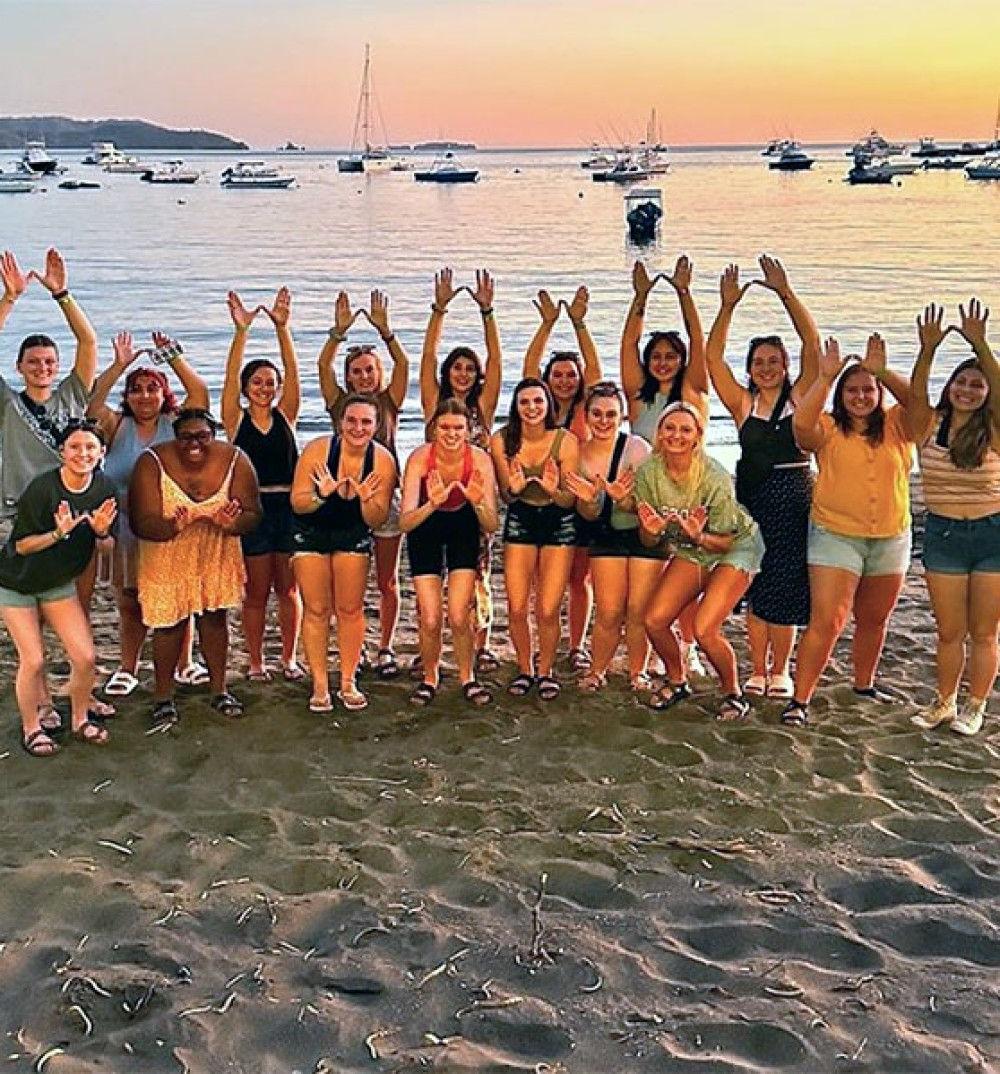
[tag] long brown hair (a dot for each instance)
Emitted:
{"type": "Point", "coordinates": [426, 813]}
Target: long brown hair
{"type": "Point", "coordinates": [874, 431]}
{"type": "Point", "coordinates": [970, 443]}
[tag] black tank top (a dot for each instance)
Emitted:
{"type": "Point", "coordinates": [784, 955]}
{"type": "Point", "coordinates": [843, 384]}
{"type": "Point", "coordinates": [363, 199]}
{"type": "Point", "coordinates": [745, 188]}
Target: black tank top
{"type": "Point", "coordinates": [765, 443]}
{"type": "Point", "coordinates": [336, 512]}
{"type": "Point", "coordinates": [274, 453]}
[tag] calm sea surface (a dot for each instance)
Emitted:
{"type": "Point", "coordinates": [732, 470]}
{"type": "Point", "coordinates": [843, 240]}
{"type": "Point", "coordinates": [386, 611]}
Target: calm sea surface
{"type": "Point", "coordinates": [141, 257]}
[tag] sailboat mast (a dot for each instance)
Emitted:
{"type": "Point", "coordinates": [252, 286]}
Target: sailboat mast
{"type": "Point", "coordinates": [366, 101]}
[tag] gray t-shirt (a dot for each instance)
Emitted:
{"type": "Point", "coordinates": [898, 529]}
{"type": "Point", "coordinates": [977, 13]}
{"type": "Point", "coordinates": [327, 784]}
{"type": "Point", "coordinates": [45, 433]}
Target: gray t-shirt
{"type": "Point", "coordinates": [27, 442]}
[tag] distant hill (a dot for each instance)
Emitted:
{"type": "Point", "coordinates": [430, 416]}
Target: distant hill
{"type": "Point", "coordinates": [61, 132]}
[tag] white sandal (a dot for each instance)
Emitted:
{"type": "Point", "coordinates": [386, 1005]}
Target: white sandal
{"type": "Point", "coordinates": [756, 686]}
{"type": "Point", "coordinates": [121, 684]}
{"type": "Point", "coordinates": [194, 674]}
{"type": "Point", "coordinates": [781, 688]}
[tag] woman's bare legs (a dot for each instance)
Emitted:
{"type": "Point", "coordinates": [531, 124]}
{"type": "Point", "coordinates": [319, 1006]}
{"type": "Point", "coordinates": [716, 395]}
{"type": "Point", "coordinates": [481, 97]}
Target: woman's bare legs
{"type": "Point", "coordinates": [678, 586]}
{"type": "Point", "coordinates": [350, 575]}
{"type": "Point", "coordinates": [314, 574]}
{"type": "Point", "coordinates": [387, 580]}
{"type": "Point", "coordinates": [519, 563]}
{"type": "Point", "coordinates": [874, 601]}
{"type": "Point", "coordinates": [610, 574]}
{"type": "Point", "coordinates": [831, 595]}
{"type": "Point", "coordinates": [643, 579]}
{"type": "Point", "coordinates": [581, 598]}
{"type": "Point", "coordinates": [723, 590]}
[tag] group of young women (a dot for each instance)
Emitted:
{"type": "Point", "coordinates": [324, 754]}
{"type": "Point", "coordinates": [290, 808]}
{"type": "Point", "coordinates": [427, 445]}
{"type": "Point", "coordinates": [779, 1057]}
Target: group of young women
{"type": "Point", "coordinates": [646, 533]}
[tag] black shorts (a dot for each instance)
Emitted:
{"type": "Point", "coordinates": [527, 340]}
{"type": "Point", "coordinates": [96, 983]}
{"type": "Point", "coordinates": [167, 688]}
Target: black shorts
{"type": "Point", "coordinates": [326, 542]}
{"type": "Point", "coordinates": [542, 527]}
{"type": "Point", "coordinates": [274, 534]}
{"type": "Point", "coordinates": [445, 541]}
{"type": "Point", "coordinates": [624, 544]}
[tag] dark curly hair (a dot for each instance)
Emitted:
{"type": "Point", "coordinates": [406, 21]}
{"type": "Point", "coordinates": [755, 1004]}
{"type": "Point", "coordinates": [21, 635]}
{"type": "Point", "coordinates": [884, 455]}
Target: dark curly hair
{"type": "Point", "coordinates": [650, 385]}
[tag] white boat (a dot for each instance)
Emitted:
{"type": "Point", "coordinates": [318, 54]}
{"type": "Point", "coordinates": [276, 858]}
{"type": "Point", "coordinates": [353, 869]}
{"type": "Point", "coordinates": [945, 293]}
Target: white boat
{"type": "Point", "coordinates": [255, 175]}
{"type": "Point", "coordinates": [38, 158]}
{"type": "Point", "coordinates": [119, 163]}
{"type": "Point", "coordinates": [170, 171]}
{"type": "Point", "coordinates": [987, 168]}
{"type": "Point", "coordinates": [17, 180]}
{"type": "Point", "coordinates": [599, 160]}
{"type": "Point", "coordinates": [651, 160]}
{"type": "Point", "coordinates": [446, 169]}
{"type": "Point", "coordinates": [99, 153]}
{"type": "Point", "coordinates": [373, 159]}
{"type": "Point", "coordinates": [792, 159]}
{"type": "Point", "coordinates": [627, 169]}
{"type": "Point", "coordinates": [776, 146]}
{"type": "Point", "coordinates": [875, 146]}
{"type": "Point", "coordinates": [868, 172]}
{"type": "Point", "coordinates": [887, 165]}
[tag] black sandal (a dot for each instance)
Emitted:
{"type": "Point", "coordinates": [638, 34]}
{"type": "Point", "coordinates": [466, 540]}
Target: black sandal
{"type": "Point", "coordinates": [671, 694]}
{"type": "Point", "coordinates": [734, 709]}
{"type": "Point", "coordinates": [795, 714]}
{"type": "Point", "coordinates": [486, 662]}
{"type": "Point", "coordinates": [91, 732]}
{"type": "Point", "coordinates": [386, 665]}
{"type": "Point", "coordinates": [423, 695]}
{"type": "Point", "coordinates": [476, 694]}
{"type": "Point", "coordinates": [228, 705]}
{"type": "Point", "coordinates": [520, 686]}
{"type": "Point", "coordinates": [164, 712]}
{"type": "Point", "coordinates": [40, 744]}
{"type": "Point", "coordinates": [548, 688]}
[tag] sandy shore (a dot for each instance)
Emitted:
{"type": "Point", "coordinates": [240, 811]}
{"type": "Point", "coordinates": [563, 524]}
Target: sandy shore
{"type": "Point", "coordinates": [585, 886]}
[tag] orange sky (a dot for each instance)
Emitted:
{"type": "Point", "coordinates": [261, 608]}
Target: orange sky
{"type": "Point", "coordinates": [513, 72]}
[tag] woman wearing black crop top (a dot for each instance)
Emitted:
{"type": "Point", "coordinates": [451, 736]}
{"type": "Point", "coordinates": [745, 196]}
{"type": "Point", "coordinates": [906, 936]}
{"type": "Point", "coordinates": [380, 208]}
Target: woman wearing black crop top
{"type": "Point", "coordinates": [773, 479]}
{"type": "Point", "coordinates": [340, 493]}
{"type": "Point", "coordinates": [265, 430]}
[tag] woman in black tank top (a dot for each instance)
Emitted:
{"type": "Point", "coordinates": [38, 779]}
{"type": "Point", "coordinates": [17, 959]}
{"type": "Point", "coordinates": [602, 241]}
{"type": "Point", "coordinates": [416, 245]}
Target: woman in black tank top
{"type": "Point", "coordinates": [265, 430]}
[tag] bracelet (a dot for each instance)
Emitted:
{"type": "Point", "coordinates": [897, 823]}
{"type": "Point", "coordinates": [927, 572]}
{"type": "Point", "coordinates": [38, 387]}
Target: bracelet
{"type": "Point", "coordinates": [335, 335]}
{"type": "Point", "coordinates": [435, 308]}
{"type": "Point", "coordinates": [65, 299]}
{"type": "Point", "coordinates": [60, 536]}
{"type": "Point", "coordinates": [58, 296]}
{"type": "Point", "coordinates": [486, 312]}
{"type": "Point", "coordinates": [389, 338]}
{"type": "Point", "coordinates": [241, 329]}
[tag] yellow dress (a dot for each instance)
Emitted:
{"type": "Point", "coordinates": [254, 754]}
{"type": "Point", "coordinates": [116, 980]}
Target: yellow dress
{"type": "Point", "coordinates": [199, 570]}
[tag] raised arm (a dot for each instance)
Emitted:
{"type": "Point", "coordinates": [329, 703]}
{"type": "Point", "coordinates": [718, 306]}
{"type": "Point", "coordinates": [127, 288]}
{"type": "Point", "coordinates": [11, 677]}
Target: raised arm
{"type": "Point", "coordinates": [342, 320]}
{"type": "Point", "coordinates": [493, 373]}
{"type": "Point", "coordinates": [232, 412]}
{"type": "Point", "coordinates": [97, 407]}
{"type": "Point", "coordinates": [55, 280]}
{"type": "Point", "coordinates": [378, 317]}
{"type": "Point", "coordinates": [195, 389]}
{"type": "Point", "coordinates": [735, 398]}
{"type": "Point", "coordinates": [630, 365]}
{"type": "Point", "coordinates": [15, 283]}
{"type": "Point", "coordinates": [548, 312]}
{"type": "Point", "coordinates": [775, 279]}
{"type": "Point", "coordinates": [973, 328]}
{"type": "Point", "coordinates": [696, 377]}
{"type": "Point", "coordinates": [876, 362]}
{"type": "Point", "coordinates": [930, 332]}
{"type": "Point", "coordinates": [291, 393]}
{"type": "Point", "coordinates": [805, 420]}
{"type": "Point", "coordinates": [577, 310]}
{"type": "Point", "coordinates": [430, 389]}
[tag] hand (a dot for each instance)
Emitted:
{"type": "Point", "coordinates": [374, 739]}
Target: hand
{"type": "Point", "coordinates": [368, 488]}
{"type": "Point", "coordinates": [516, 481]}
{"type": "Point", "coordinates": [378, 313]}
{"type": "Point", "coordinates": [929, 327]}
{"type": "Point", "coordinates": [973, 326]}
{"type": "Point", "coordinates": [104, 517]}
{"type": "Point", "coordinates": [651, 520]}
{"type": "Point", "coordinates": [577, 309]}
{"type": "Point", "coordinates": [830, 362]}
{"type": "Point", "coordinates": [161, 339]}
{"type": "Point", "coordinates": [125, 355]}
{"type": "Point", "coordinates": [475, 490]}
{"type": "Point", "coordinates": [875, 360]}
{"type": "Point", "coordinates": [774, 276]}
{"type": "Point", "coordinates": [483, 294]}
{"type": "Point", "coordinates": [729, 287]}
{"type": "Point", "coordinates": [15, 283]}
{"type": "Point", "coordinates": [281, 311]}
{"type": "Point", "coordinates": [182, 519]}
{"type": "Point", "coordinates": [242, 317]}
{"type": "Point", "coordinates": [323, 481]}
{"type": "Point", "coordinates": [54, 279]}
{"type": "Point", "coordinates": [547, 309]}
{"type": "Point", "coordinates": [641, 283]}
{"type": "Point", "coordinates": [581, 488]}
{"type": "Point", "coordinates": [65, 520]}
{"type": "Point", "coordinates": [692, 523]}
{"type": "Point", "coordinates": [622, 487]}
{"type": "Point", "coordinates": [444, 288]}
{"type": "Point", "coordinates": [437, 491]}
{"type": "Point", "coordinates": [680, 281]}
{"type": "Point", "coordinates": [226, 515]}
{"type": "Point", "coordinates": [550, 477]}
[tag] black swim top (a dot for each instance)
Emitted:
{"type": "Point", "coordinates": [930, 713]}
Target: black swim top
{"type": "Point", "coordinates": [274, 453]}
{"type": "Point", "coordinates": [766, 443]}
{"type": "Point", "coordinates": [337, 512]}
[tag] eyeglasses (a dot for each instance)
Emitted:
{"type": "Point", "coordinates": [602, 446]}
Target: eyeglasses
{"type": "Point", "coordinates": [205, 436]}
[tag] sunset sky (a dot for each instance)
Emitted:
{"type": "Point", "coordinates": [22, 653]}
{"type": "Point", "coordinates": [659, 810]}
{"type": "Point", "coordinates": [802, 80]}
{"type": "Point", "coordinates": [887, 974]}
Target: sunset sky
{"type": "Point", "coordinates": [512, 72]}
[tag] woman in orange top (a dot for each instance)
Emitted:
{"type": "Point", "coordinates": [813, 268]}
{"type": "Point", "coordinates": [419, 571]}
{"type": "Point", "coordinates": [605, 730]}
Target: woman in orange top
{"type": "Point", "coordinates": [859, 533]}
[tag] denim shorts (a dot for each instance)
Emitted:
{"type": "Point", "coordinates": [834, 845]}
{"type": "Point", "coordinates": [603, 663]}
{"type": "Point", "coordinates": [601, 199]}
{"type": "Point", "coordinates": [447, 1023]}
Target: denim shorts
{"type": "Point", "coordinates": [962, 545]}
{"type": "Point", "coordinates": [863, 556]}
{"type": "Point", "coordinates": [10, 598]}
{"type": "Point", "coordinates": [745, 554]}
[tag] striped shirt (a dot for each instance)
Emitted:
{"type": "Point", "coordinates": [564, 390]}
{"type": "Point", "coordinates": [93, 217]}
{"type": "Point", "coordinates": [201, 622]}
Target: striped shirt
{"type": "Point", "coordinates": [956, 493]}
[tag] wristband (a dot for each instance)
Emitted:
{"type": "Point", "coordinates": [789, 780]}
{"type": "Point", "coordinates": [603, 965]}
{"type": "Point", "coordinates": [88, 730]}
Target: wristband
{"type": "Point", "coordinates": [60, 536]}
{"type": "Point", "coordinates": [58, 296]}
{"type": "Point", "coordinates": [435, 308]}
{"type": "Point", "coordinates": [486, 312]}
{"type": "Point", "coordinates": [241, 329]}
{"type": "Point", "coordinates": [66, 299]}
{"type": "Point", "coordinates": [335, 335]}
{"type": "Point", "coordinates": [389, 338]}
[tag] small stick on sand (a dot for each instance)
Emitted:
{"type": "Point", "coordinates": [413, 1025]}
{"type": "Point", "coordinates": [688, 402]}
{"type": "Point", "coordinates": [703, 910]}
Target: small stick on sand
{"type": "Point", "coordinates": [377, 1035]}
{"type": "Point", "coordinates": [100, 786]}
{"type": "Point", "coordinates": [597, 973]}
{"type": "Point", "coordinates": [538, 952]}
{"type": "Point", "coordinates": [88, 1025]}
{"type": "Point", "coordinates": [368, 932]}
{"type": "Point", "coordinates": [45, 1057]}
{"type": "Point", "coordinates": [127, 851]}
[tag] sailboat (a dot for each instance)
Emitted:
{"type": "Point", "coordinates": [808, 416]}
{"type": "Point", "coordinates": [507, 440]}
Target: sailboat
{"type": "Point", "coordinates": [372, 158]}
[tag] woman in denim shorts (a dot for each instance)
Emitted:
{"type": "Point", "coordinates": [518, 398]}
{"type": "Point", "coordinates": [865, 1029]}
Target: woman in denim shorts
{"type": "Point", "coordinates": [959, 448]}
{"type": "Point", "coordinates": [859, 530]}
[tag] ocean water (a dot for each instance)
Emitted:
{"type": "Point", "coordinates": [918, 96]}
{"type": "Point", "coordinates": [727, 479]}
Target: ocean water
{"type": "Point", "coordinates": [142, 257]}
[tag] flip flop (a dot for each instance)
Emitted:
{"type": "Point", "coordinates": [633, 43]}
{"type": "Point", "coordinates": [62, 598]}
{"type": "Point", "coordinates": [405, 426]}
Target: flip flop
{"type": "Point", "coordinates": [195, 674]}
{"type": "Point", "coordinates": [260, 676]}
{"type": "Point", "coordinates": [91, 733]}
{"type": "Point", "coordinates": [796, 714]}
{"type": "Point", "coordinates": [321, 703]}
{"type": "Point", "coordinates": [100, 710]}
{"type": "Point", "coordinates": [386, 666]}
{"type": "Point", "coordinates": [671, 694]}
{"type": "Point", "coordinates": [121, 684]}
{"type": "Point", "coordinates": [520, 686]}
{"type": "Point", "coordinates": [579, 660]}
{"type": "Point", "coordinates": [292, 673]}
{"type": "Point", "coordinates": [734, 709]}
{"type": "Point", "coordinates": [352, 699]}
{"type": "Point", "coordinates": [781, 688]}
{"type": "Point", "coordinates": [476, 694]}
{"type": "Point", "coordinates": [486, 662]}
{"type": "Point", "coordinates": [423, 695]}
{"type": "Point", "coordinates": [50, 720]}
{"type": "Point", "coordinates": [548, 688]}
{"type": "Point", "coordinates": [227, 705]}
{"type": "Point", "coordinates": [40, 744]}
{"type": "Point", "coordinates": [757, 686]}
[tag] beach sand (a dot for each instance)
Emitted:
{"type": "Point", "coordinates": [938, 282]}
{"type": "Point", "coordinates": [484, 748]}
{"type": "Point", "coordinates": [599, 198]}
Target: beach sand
{"type": "Point", "coordinates": [582, 886]}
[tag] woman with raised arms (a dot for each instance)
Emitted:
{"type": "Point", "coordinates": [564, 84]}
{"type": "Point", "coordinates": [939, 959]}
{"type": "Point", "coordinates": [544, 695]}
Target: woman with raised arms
{"type": "Point", "coordinates": [686, 506]}
{"type": "Point", "coordinates": [532, 458]}
{"type": "Point", "coordinates": [449, 501]}
{"type": "Point", "coordinates": [364, 374]}
{"type": "Point", "coordinates": [340, 493]}
{"type": "Point", "coordinates": [568, 375]}
{"type": "Point", "coordinates": [265, 431]}
{"type": "Point", "coordinates": [625, 571]}
{"type": "Point", "coordinates": [144, 419]}
{"type": "Point", "coordinates": [773, 478]}
{"type": "Point", "coordinates": [958, 444]}
{"type": "Point", "coordinates": [464, 377]}
{"type": "Point", "coordinates": [859, 531]}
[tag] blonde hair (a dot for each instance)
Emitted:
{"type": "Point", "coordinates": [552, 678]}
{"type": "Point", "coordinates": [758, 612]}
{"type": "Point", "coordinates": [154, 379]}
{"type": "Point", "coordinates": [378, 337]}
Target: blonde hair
{"type": "Point", "coordinates": [696, 472]}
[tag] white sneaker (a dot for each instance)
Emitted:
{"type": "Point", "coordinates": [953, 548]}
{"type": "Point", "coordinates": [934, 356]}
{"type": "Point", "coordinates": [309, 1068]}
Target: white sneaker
{"type": "Point", "coordinates": [940, 712]}
{"type": "Point", "coordinates": [692, 661]}
{"type": "Point", "coordinates": [969, 720]}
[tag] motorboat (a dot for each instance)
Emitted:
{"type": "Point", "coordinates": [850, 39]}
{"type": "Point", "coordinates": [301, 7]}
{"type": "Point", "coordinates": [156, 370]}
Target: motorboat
{"type": "Point", "coordinates": [944, 163]}
{"type": "Point", "coordinates": [792, 159]}
{"type": "Point", "coordinates": [651, 161]}
{"type": "Point", "coordinates": [99, 153]}
{"type": "Point", "coordinates": [372, 159]}
{"type": "Point", "coordinates": [987, 168]}
{"type": "Point", "coordinates": [352, 164]}
{"type": "Point", "coordinates": [38, 158]}
{"type": "Point", "coordinates": [887, 165]}
{"type": "Point", "coordinates": [643, 212]}
{"type": "Point", "coordinates": [928, 147]}
{"type": "Point", "coordinates": [16, 182]}
{"type": "Point", "coordinates": [869, 172]}
{"type": "Point", "coordinates": [255, 175]}
{"type": "Point", "coordinates": [875, 146]}
{"type": "Point", "coordinates": [599, 160]}
{"type": "Point", "coordinates": [775, 147]}
{"type": "Point", "coordinates": [626, 169]}
{"type": "Point", "coordinates": [119, 163]}
{"type": "Point", "coordinates": [170, 171]}
{"type": "Point", "coordinates": [79, 184]}
{"type": "Point", "coordinates": [446, 169]}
